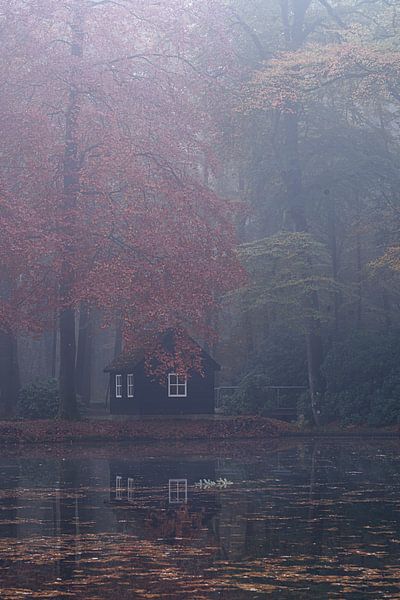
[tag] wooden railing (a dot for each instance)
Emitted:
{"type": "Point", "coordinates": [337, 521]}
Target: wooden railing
{"type": "Point", "coordinates": [281, 408]}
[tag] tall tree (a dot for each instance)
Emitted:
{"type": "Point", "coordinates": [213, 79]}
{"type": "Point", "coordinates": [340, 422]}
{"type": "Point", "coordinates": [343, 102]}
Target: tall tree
{"type": "Point", "coordinates": [320, 74]}
{"type": "Point", "coordinates": [293, 17]}
{"type": "Point", "coordinates": [115, 123]}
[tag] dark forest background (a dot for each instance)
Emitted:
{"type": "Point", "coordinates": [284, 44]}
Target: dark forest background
{"type": "Point", "coordinates": [316, 177]}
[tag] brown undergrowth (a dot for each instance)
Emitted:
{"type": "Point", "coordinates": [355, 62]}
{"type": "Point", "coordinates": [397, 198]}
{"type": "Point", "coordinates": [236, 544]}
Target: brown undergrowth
{"type": "Point", "coordinates": [162, 429]}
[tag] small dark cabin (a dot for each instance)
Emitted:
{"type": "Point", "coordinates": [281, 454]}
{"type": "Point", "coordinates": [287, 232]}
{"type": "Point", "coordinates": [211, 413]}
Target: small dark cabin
{"type": "Point", "coordinates": [134, 391]}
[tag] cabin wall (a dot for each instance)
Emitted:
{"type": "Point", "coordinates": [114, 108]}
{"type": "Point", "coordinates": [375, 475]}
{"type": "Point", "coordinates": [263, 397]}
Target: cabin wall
{"type": "Point", "coordinates": [151, 397]}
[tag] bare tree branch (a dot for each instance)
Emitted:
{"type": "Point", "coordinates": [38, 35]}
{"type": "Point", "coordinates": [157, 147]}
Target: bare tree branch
{"type": "Point", "coordinates": [261, 50]}
{"type": "Point", "coordinates": [332, 13]}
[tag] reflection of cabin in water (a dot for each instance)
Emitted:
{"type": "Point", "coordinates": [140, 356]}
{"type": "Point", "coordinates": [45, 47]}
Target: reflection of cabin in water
{"type": "Point", "coordinates": [133, 390]}
{"type": "Point", "coordinates": [164, 502]}
{"type": "Point", "coordinates": [154, 475]}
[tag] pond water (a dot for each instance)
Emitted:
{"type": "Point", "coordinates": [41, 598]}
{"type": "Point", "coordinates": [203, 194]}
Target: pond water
{"type": "Point", "coordinates": [294, 520]}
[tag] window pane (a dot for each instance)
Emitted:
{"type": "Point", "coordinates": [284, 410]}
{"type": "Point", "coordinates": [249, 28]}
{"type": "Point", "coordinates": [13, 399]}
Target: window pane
{"type": "Point", "coordinates": [178, 491]}
{"type": "Point", "coordinates": [130, 384]}
{"type": "Point", "coordinates": [177, 385]}
{"type": "Point", "coordinates": [118, 386]}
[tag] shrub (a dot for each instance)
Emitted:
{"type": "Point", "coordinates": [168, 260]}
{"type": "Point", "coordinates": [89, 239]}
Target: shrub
{"type": "Point", "coordinates": [250, 397]}
{"type": "Point", "coordinates": [363, 380]}
{"type": "Point", "coordinates": [255, 397]}
{"type": "Point", "coordinates": [280, 361]}
{"type": "Point", "coordinates": [384, 411]}
{"type": "Point", "coordinates": [39, 400]}
{"type": "Point", "coordinates": [385, 404]}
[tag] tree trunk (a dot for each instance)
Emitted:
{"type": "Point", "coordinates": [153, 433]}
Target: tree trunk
{"type": "Point", "coordinates": [315, 357]}
{"type": "Point", "coordinates": [9, 375]}
{"type": "Point", "coordinates": [293, 26]}
{"type": "Point", "coordinates": [68, 403]}
{"type": "Point", "coordinates": [50, 338]}
{"type": "Point", "coordinates": [118, 342]}
{"type": "Point", "coordinates": [54, 348]}
{"type": "Point", "coordinates": [84, 354]}
{"type": "Point", "coordinates": [387, 310]}
{"type": "Point", "coordinates": [296, 211]}
{"type": "Point", "coordinates": [359, 266]}
{"type": "Point", "coordinates": [331, 210]}
{"type": "Point", "coordinates": [9, 368]}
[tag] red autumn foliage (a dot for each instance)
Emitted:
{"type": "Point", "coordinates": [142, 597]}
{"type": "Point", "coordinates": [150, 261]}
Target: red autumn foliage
{"type": "Point", "coordinates": [108, 113]}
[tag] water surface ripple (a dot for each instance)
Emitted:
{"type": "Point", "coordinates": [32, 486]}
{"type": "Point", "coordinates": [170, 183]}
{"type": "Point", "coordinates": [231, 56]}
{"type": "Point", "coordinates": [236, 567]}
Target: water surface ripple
{"type": "Point", "coordinates": [300, 520]}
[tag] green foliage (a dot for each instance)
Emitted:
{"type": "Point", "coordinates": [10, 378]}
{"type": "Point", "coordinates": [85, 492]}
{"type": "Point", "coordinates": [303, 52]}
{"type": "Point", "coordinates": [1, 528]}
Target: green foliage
{"type": "Point", "coordinates": [282, 358]}
{"type": "Point", "coordinates": [285, 246]}
{"type": "Point", "coordinates": [250, 398]}
{"type": "Point", "coordinates": [281, 361]}
{"type": "Point", "coordinates": [350, 407]}
{"type": "Point", "coordinates": [363, 380]}
{"type": "Point", "coordinates": [284, 269]}
{"type": "Point", "coordinates": [334, 157]}
{"type": "Point", "coordinates": [384, 411]}
{"type": "Point", "coordinates": [39, 400]}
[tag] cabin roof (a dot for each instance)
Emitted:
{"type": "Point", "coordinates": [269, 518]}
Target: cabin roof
{"type": "Point", "coordinates": [125, 360]}
{"type": "Point", "coordinates": [131, 358]}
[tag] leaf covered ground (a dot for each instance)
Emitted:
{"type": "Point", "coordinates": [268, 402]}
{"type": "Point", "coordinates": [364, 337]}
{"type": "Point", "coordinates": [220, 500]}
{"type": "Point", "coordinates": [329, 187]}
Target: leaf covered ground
{"type": "Point", "coordinates": [140, 430]}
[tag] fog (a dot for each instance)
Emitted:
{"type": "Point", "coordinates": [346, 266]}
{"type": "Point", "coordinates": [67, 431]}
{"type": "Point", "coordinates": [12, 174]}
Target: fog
{"type": "Point", "coordinates": [226, 169]}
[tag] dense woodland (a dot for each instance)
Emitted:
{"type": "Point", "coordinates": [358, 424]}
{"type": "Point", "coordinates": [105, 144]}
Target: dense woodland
{"type": "Point", "coordinates": [231, 167]}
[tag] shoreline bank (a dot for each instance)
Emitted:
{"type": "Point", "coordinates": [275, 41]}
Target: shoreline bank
{"type": "Point", "coordinates": [164, 429]}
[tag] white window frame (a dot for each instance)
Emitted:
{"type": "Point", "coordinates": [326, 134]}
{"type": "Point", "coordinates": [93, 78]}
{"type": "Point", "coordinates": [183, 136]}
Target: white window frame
{"type": "Point", "coordinates": [118, 487]}
{"type": "Point", "coordinates": [130, 385]}
{"type": "Point", "coordinates": [118, 386]}
{"type": "Point", "coordinates": [131, 488]}
{"type": "Point", "coordinates": [178, 491]}
{"type": "Point", "coordinates": [175, 384]}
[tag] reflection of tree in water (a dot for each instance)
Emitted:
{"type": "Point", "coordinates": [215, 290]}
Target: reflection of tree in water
{"type": "Point", "coordinates": [161, 520]}
{"type": "Point", "coordinates": [8, 481]}
{"type": "Point", "coordinates": [175, 523]}
{"type": "Point", "coordinates": [321, 518]}
{"type": "Point", "coordinates": [8, 505]}
{"type": "Point", "coordinates": [67, 511]}
{"type": "Point", "coordinates": [43, 521]}
{"type": "Point", "coordinates": [160, 501]}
